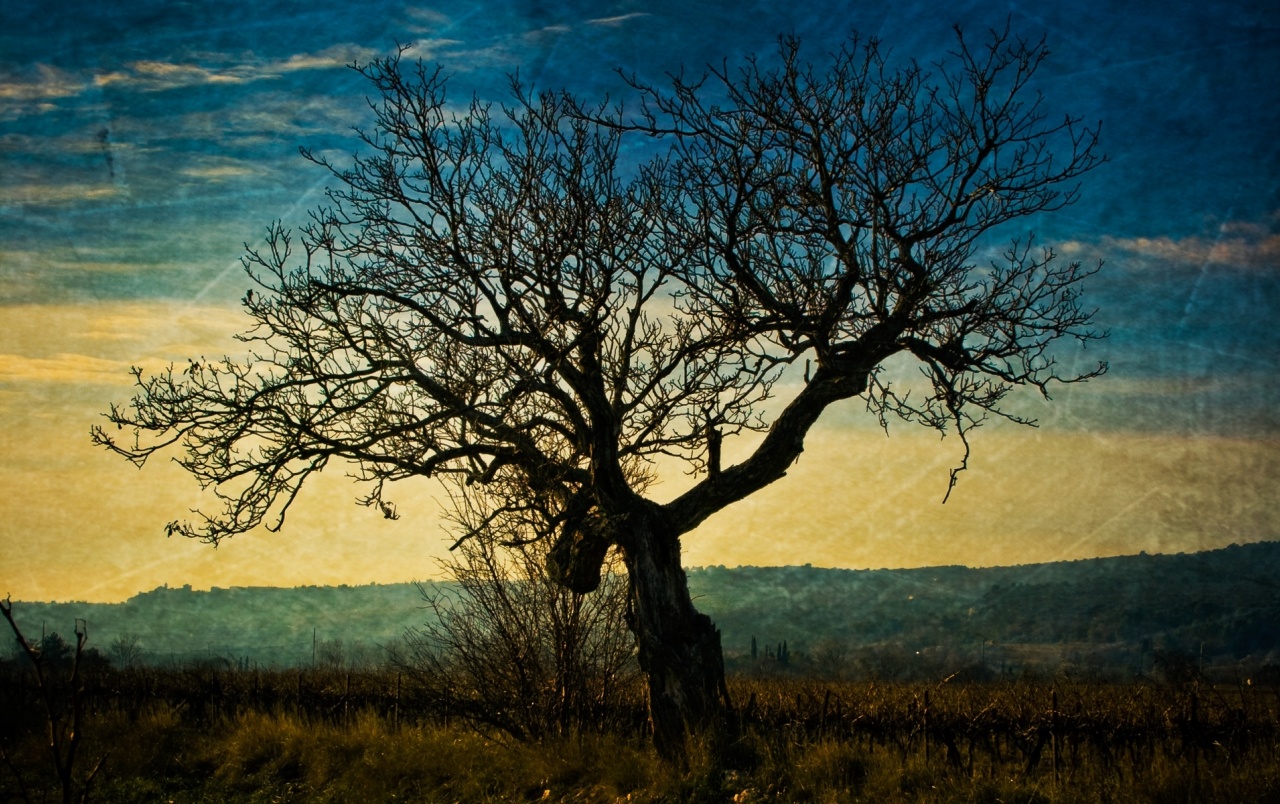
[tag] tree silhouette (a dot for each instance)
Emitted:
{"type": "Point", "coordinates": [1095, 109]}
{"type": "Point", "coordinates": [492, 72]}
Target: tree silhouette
{"type": "Point", "coordinates": [501, 299]}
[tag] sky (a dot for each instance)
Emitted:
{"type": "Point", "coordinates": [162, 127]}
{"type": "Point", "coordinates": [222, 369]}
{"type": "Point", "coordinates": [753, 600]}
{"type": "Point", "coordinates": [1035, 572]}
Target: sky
{"type": "Point", "coordinates": [143, 144]}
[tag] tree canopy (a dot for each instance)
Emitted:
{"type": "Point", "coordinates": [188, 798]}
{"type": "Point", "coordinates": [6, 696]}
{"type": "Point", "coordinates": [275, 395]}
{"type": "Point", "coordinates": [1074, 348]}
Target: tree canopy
{"type": "Point", "coordinates": [500, 297]}
{"type": "Point", "coordinates": [503, 298]}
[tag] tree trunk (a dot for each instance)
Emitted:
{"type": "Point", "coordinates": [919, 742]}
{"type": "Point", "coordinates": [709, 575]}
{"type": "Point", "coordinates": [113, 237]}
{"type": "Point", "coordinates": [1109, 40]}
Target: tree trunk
{"type": "Point", "coordinates": [679, 647]}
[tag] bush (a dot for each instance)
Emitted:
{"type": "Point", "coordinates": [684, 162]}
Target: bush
{"type": "Point", "coordinates": [510, 649]}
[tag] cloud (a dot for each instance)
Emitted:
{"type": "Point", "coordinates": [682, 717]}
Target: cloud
{"type": "Point", "coordinates": [85, 140]}
{"type": "Point", "coordinates": [80, 258]}
{"type": "Point", "coordinates": [329, 58]}
{"type": "Point", "coordinates": [430, 49]}
{"type": "Point", "coordinates": [272, 117]}
{"type": "Point", "coordinates": [98, 342]}
{"type": "Point", "coordinates": [550, 30]}
{"type": "Point", "coordinates": [1227, 250]}
{"type": "Point", "coordinates": [64, 368]}
{"type": "Point", "coordinates": [165, 74]}
{"type": "Point", "coordinates": [219, 173]}
{"type": "Point", "coordinates": [37, 90]}
{"type": "Point", "coordinates": [614, 22]}
{"type": "Point", "coordinates": [428, 17]}
{"type": "Point", "coordinates": [1242, 244]}
{"type": "Point", "coordinates": [16, 197]}
{"type": "Point", "coordinates": [159, 76]}
{"type": "Point", "coordinates": [47, 83]}
{"type": "Point", "coordinates": [43, 84]}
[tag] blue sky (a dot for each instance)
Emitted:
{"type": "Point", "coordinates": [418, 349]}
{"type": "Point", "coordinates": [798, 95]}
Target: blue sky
{"type": "Point", "coordinates": [143, 143]}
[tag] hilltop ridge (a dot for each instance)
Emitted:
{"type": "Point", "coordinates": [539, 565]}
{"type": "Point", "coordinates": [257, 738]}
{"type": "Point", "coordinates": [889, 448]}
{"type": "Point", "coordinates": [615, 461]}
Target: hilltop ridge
{"type": "Point", "coordinates": [1219, 606]}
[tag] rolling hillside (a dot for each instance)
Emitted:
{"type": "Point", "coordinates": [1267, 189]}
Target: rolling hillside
{"type": "Point", "coordinates": [1220, 607]}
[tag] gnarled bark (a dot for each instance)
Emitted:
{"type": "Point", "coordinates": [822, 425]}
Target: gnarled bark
{"type": "Point", "coordinates": [679, 646]}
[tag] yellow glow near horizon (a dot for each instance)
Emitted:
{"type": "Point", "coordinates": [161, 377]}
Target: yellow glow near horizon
{"type": "Point", "coordinates": [859, 499]}
{"type": "Point", "coordinates": [79, 523]}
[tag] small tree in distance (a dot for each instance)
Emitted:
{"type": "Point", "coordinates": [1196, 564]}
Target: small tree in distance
{"type": "Point", "coordinates": [494, 298]}
{"type": "Point", "coordinates": [126, 650]}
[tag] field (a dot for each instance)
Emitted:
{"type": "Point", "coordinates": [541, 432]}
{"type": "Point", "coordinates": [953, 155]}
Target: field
{"type": "Point", "coordinates": [208, 733]}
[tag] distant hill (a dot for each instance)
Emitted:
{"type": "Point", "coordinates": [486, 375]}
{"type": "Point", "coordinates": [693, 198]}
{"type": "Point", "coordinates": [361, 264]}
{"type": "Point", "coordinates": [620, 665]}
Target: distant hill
{"type": "Point", "coordinates": [1221, 606]}
{"type": "Point", "coordinates": [266, 625]}
{"type": "Point", "coordinates": [1124, 613]}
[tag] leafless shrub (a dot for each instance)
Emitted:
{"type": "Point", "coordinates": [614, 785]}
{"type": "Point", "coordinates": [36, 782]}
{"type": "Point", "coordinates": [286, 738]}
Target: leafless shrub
{"type": "Point", "coordinates": [508, 648]}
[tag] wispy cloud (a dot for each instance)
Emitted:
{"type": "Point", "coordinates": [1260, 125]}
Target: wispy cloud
{"type": "Point", "coordinates": [428, 17]}
{"type": "Point", "coordinates": [39, 89]}
{"type": "Point", "coordinates": [90, 139]}
{"type": "Point", "coordinates": [620, 19]}
{"type": "Point", "coordinates": [329, 58]}
{"type": "Point", "coordinates": [98, 343]}
{"type": "Point", "coordinates": [43, 85]}
{"type": "Point", "coordinates": [550, 30]}
{"type": "Point", "coordinates": [271, 117]}
{"type": "Point", "coordinates": [1242, 251]}
{"type": "Point", "coordinates": [80, 259]}
{"type": "Point", "coordinates": [65, 368]}
{"type": "Point", "coordinates": [44, 82]}
{"type": "Point", "coordinates": [157, 76]}
{"type": "Point", "coordinates": [219, 173]}
{"type": "Point", "coordinates": [222, 172]}
{"type": "Point", "coordinates": [1242, 244]}
{"type": "Point", "coordinates": [16, 197]}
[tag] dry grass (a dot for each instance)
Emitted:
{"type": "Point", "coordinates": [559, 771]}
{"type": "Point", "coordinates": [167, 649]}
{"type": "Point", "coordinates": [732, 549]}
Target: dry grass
{"type": "Point", "coordinates": [803, 741]}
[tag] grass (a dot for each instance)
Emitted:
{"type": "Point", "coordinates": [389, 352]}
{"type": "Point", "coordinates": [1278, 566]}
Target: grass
{"type": "Point", "coordinates": [283, 757]}
{"type": "Point", "coordinates": [803, 741]}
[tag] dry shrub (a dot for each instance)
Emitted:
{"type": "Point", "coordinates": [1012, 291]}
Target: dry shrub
{"type": "Point", "coordinates": [508, 649]}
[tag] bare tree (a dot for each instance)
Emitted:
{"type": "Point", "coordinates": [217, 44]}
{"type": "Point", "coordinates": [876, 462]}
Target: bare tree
{"type": "Point", "coordinates": [63, 708]}
{"type": "Point", "coordinates": [499, 298]}
{"type": "Point", "coordinates": [126, 650]}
